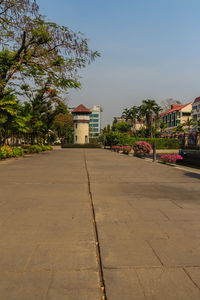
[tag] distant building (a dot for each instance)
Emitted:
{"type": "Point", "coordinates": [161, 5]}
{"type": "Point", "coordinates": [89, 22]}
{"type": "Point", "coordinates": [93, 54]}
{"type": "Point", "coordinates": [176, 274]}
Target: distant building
{"type": "Point", "coordinates": [196, 109]}
{"type": "Point", "coordinates": [95, 121]}
{"type": "Point", "coordinates": [178, 114]}
{"type": "Point", "coordinates": [81, 124]}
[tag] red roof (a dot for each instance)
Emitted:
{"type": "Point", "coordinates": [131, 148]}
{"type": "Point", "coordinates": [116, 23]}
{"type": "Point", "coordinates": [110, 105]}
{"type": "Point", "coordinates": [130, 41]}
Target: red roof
{"type": "Point", "coordinates": [175, 108]}
{"type": "Point", "coordinates": [197, 100]}
{"type": "Point", "coordinates": [81, 109]}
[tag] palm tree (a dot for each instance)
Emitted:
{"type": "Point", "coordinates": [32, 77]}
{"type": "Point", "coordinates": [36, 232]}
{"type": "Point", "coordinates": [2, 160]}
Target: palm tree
{"type": "Point", "coordinates": [147, 108]}
{"type": "Point", "coordinates": [179, 129]}
{"type": "Point", "coordinates": [133, 115]}
{"type": "Point", "coordinates": [126, 114]}
{"type": "Point", "coordinates": [189, 123]}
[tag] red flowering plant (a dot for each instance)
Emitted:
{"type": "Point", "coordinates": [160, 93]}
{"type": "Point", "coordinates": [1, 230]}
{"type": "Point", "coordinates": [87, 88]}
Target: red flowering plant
{"type": "Point", "coordinates": [141, 149]}
{"type": "Point", "coordinates": [116, 148]}
{"type": "Point", "coordinates": [126, 149]}
{"type": "Point", "coordinates": [170, 158]}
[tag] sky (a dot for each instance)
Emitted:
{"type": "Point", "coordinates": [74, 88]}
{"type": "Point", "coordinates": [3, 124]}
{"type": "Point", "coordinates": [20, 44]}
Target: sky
{"type": "Point", "coordinates": [150, 49]}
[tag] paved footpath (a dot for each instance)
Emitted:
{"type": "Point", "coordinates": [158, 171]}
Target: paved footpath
{"type": "Point", "coordinates": [147, 218]}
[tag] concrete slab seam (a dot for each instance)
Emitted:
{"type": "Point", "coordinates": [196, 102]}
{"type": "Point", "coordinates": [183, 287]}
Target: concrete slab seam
{"type": "Point", "coordinates": [98, 250]}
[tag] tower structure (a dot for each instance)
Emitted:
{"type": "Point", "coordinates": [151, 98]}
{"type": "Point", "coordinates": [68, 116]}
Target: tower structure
{"type": "Point", "coordinates": [81, 124]}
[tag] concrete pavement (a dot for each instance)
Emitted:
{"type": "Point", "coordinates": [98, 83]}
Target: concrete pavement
{"type": "Point", "coordinates": [147, 217]}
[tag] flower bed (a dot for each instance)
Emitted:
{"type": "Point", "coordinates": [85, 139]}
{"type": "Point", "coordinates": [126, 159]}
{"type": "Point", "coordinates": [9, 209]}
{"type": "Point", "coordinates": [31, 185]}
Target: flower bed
{"type": "Point", "coordinates": [141, 149]}
{"type": "Point", "coordinates": [170, 159]}
{"type": "Point", "coordinates": [7, 151]}
{"type": "Point", "coordinates": [116, 148]}
{"type": "Point", "coordinates": [126, 149]}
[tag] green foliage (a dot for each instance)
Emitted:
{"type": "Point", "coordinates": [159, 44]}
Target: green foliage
{"type": "Point", "coordinates": [18, 152]}
{"type": "Point", "coordinates": [81, 146]}
{"type": "Point", "coordinates": [161, 143]}
{"type": "Point", "coordinates": [116, 138]}
{"type": "Point", "coordinates": [37, 148]}
{"type": "Point", "coordinates": [7, 152]}
{"type": "Point", "coordinates": [121, 127]}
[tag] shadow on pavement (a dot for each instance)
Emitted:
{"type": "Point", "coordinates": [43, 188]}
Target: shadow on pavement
{"type": "Point", "coordinates": [192, 175]}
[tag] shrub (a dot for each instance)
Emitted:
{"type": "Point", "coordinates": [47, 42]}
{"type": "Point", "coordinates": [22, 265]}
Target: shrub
{"type": "Point", "coordinates": [126, 149]}
{"type": "Point", "coordinates": [34, 149]}
{"type": "Point", "coordinates": [141, 148]}
{"type": "Point", "coordinates": [6, 151]}
{"type": "Point", "coordinates": [114, 138]}
{"type": "Point", "coordinates": [161, 143]}
{"type": "Point", "coordinates": [81, 146]}
{"type": "Point", "coordinates": [116, 148]}
{"type": "Point", "coordinates": [18, 152]}
{"type": "Point", "coordinates": [167, 158]}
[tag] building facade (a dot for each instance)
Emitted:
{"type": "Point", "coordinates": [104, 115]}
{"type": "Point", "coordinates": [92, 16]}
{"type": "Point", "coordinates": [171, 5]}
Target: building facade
{"type": "Point", "coordinates": [81, 124]}
{"type": "Point", "coordinates": [196, 109]}
{"type": "Point", "coordinates": [178, 114]}
{"type": "Point", "coordinates": [95, 121]}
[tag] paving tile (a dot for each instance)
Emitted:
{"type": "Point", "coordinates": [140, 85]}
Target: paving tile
{"type": "Point", "coordinates": [123, 284]}
{"type": "Point", "coordinates": [165, 284]}
{"type": "Point", "coordinates": [82, 284]}
{"type": "Point", "coordinates": [24, 286]}
{"type": "Point", "coordinates": [130, 230]}
{"type": "Point", "coordinates": [123, 253]}
{"type": "Point", "coordinates": [68, 256]}
{"type": "Point", "coordinates": [182, 251]}
{"type": "Point", "coordinates": [194, 273]}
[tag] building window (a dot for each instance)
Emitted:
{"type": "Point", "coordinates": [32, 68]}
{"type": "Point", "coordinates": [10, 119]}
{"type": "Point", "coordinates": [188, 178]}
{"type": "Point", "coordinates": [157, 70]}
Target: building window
{"type": "Point", "coordinates": [186, 114]}
{"type": "Point", "coordinates": [76, 125]}
{"type": "Point", "coordinates": [76, 138]}
{"type": "Point", "coordinates": [86, 139]}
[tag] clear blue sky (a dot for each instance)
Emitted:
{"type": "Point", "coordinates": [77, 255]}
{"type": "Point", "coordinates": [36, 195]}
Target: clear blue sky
{"type": "Point", "coordinates": [149, 49]}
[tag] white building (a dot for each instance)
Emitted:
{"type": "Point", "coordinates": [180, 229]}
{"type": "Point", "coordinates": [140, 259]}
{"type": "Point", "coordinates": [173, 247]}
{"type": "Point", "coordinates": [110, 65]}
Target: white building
{"type": "Point", "coordinates": [196, 109]}
{"type": "Point", "coordinates": [95, 121]}
{"type": "Point", "coordinates": [81, 124]}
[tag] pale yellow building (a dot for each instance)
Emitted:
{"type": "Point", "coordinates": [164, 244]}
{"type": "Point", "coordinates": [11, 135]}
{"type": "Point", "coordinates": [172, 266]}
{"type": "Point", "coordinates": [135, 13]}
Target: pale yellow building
{"type": "Point", "coordinates": [81, 124]}
{"type": "Point", "coordinates": [178, 114]}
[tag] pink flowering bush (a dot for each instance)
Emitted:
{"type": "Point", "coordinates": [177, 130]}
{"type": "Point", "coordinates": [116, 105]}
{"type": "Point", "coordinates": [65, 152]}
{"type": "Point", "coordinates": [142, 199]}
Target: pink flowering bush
{"type": "Point", "coordinates": [116, 148]}
{"type": "Point", "coordinates": [126, 149]}
{"type": "Point", "coordinates": [141, 148]}
{"type": "Point", "coordinates": [170, 158]}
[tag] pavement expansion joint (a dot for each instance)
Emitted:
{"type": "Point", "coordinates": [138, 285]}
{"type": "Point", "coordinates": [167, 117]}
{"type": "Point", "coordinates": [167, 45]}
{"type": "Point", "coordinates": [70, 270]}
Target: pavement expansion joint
{"type": "Point", "coordinates": [155, 253]}
{"type": "Point", "coordinates": [191, 278]}
{"type": "Point", "coordinates": [97, 243]}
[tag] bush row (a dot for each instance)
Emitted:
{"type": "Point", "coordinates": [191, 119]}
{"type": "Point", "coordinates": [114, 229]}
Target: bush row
{"type": "Point", "coordinates": [124, 139]}
{"type": "Point", "coordinates": [160, 142]}
{"type": "Point", "coordinates": [37, 148]}
{"type": "Point", "coordinates": [81, 146]}
{"type": "Point", "coordinates": [7, 151]}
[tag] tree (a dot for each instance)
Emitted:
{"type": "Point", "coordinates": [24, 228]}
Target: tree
{"type": "Point", "coordinates": [179, 129]}
{"type": "Point", "coordinates": [121, 127]}
{"type": "Point", "coordinates": [38, 59]}
{"type": "Point", "coordinates": [163, 125]}
{"type": "Point", "coordinates": [147, 109]}
{"type": "Point", "coordinates": [166, 104]}
{"type": "Point", "coordinates": [63, 125]}
{"type": "Point", "coordinates": [189, 123]}
{"type": "Point", "coordinates": [126, 114]}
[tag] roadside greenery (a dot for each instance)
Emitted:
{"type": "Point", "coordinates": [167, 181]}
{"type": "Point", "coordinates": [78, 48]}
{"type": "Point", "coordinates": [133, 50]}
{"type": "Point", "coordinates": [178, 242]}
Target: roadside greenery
{"type": "Point", "coordinates": [39, 63]}
{"type": "Point", "coordinates": [8, 152]}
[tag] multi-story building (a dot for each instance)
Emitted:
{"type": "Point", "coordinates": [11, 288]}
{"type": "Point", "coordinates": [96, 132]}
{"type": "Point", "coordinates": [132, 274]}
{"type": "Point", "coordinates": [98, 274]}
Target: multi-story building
{"type": "Point", "coordinates": [95, 121]}
{"type": "Point", "coordinates": [178, 114]}
{"type": "Point", "coordinates": [196, 109]}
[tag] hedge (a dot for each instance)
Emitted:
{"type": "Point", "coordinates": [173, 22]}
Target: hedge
{"type": "Point", "coordinates": [81, 146]}
{"type": "Point", "coordinates": [160, 142]}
